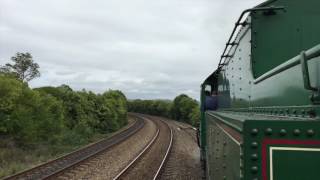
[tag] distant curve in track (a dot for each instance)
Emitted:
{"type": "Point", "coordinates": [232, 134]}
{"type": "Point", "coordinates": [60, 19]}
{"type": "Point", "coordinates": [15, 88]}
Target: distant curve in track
{"type": "Point", "coordinates": [149, 163]}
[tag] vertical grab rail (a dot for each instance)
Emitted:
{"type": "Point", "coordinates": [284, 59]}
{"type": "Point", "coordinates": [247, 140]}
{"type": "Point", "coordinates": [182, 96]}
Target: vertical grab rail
{"type": "Point", "coordinates": [238, 23]}
{"type": "Point", "coordinates": [305, 72]}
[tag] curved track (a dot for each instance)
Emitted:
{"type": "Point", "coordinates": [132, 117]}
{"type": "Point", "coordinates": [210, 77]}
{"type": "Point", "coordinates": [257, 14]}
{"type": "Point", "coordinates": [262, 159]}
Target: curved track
{"type": "Point", "coordinates": [53, 168]}
{"type": "Point", "coordinates": [184, 160]}
{"type": "Point", "coordinates": [150, 161]}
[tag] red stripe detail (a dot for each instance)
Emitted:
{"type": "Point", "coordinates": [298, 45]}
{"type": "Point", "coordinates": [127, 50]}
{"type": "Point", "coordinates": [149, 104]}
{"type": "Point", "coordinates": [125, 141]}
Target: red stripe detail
{"type": "Point", "coordinates": [267, 142]}
{"type": "Point", "coordinates": [264, 161]}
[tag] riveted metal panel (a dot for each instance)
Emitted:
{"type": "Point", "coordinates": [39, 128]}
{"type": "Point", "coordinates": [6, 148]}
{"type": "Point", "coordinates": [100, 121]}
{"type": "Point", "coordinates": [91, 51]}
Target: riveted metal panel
{"type": "Point", "coordinates": [277, 115]}
{"type": "Point", "coordinates": [223, 151]}
{"type": "Point", "coordinates": [280, 35]}
{"type": "Point", "coordinates": [236, 78]}
{"type": "Point", "coordinates": [237, 87]}
{"type": "Point", "coordinates": [281, 149]}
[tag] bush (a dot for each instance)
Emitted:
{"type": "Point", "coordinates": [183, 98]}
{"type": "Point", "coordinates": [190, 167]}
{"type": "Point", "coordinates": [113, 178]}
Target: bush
{"type": "Point", "coordinates": [57, 114]}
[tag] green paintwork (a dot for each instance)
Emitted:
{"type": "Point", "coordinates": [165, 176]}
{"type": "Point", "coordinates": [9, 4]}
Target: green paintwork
{"type": "Point", "coordinates": [281, 101]}
{"type": "Point", "coordinates": [224, 155]}
{"type": "Point", "coordinates": [203, 123]}
{"type": "Point", "coordinates": [244, 123]}
{"type": "Point", "coordinates": [296, 29]}
{"type": "Point", "coordinates": [287, 171]}
{"type": "Point", "coordinates": [236, 79]}
{"type": "Point", "coordinates": [237, 88]}
{"type": "Point", "coordinates": [295, 162]}
{"type": "Point", "coordinates": [203, 136]}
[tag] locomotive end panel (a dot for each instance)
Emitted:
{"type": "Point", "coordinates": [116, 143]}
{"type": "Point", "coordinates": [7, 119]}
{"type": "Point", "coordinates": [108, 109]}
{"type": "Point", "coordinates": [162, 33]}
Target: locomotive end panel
{"type": "Point", "coordinates": [287, 149]}
{"type": "Point", "coordinates": [256, 146]}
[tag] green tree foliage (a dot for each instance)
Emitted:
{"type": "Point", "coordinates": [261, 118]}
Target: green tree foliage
{"type": "Point", "coordinates": [22, 68]}
{"type": "Point", "coordinates": [105, 112]}
{"type": "Point", "coordinates": [41, 123]}
{"type": "Point", "coordinates": [194, 116]}
{"type": "Point", "coordinates": [27, 115]}
{"type": "Point", "coordinates": [117, 102]}
{"type": "Point", "coordinates": [57, 114]}
{"type": "Point", "coordinates": [10, 92]}
{"type": "Point", "coordinates": [154, 107]}
{"type": "Point", "coordinates": [182, 108]}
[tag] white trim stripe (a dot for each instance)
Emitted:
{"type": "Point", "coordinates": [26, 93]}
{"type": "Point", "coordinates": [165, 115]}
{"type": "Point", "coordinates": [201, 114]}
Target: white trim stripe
{"type": "Point", "coordinates": [233, 139]}
{"type": "Point", "coordinates": [271, 149]}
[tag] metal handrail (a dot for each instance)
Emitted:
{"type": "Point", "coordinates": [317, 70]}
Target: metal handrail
{"type": "Point", "coordinates": [229, 43]}
{"type": "Point", "coordinates": [309, 54]}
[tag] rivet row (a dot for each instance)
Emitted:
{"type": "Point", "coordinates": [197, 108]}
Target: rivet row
{"type": "Point", "coordinates": [282, 132]}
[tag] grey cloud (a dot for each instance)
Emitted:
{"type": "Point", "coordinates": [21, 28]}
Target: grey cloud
{"type": "Point", "coordinates": [146, 48]}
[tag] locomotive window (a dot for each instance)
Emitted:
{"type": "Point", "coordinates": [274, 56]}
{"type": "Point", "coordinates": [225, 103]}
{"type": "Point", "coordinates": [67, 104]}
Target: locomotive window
{"type": "Point", "coordinates": [207, 88]}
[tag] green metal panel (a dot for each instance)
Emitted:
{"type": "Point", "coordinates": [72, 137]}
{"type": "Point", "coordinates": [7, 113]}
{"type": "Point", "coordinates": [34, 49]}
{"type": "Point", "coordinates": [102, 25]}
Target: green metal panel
{"type": "Point", "coordinates": [212, 82]}
{"type": "Point", "coordinates": [223, 152]}
{"type": "Point", "coordinates": [283, 149]}
{"type": "Point", "coordinates": [282, 89]}
{"type": "Point", "coordinates": [292, 141]}
{"type": "Point", "coordinates": [276, 109]}
{"type": "Point", "coordinates": [289, 164]}
{"type": "Point", "coordinates": [280, 36]}
{"type": "Point", "coordinates": [203, 123]}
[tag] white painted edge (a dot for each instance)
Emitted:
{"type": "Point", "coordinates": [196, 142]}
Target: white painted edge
{"type": "Point", "coordinates": [286, 149]}
{"type": "Point", "coordinates": [234, 140]}
{"type": "Point", "coordinates": [237, 142]}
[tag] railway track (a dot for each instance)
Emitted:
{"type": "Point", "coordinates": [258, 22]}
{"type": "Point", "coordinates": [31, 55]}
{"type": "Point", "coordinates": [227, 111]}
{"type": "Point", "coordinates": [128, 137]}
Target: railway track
{"type": "Point", "coordinates": [182, 162]}
{"type": "Point", "coordinates": [53, 168]}
{"type": "Point", "coordinates": [149, 163]}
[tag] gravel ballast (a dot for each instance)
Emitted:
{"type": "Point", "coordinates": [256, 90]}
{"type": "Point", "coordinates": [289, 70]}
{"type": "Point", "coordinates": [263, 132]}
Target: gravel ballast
{"type": "Point", "coordinates": [109, 163]}
{"type": "Point", "coordinates": [147, 166]}
{"type": "Point", "coordinates": [184, 158]}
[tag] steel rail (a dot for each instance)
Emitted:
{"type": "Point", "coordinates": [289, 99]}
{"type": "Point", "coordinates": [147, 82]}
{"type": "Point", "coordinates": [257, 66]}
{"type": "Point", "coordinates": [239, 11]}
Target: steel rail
{"type": "Point", "coordinates": [139, 156]}
{"type": "Point", "coordinates": [167, 153]}
{"type": "Point", "coordinates": [86, 153]}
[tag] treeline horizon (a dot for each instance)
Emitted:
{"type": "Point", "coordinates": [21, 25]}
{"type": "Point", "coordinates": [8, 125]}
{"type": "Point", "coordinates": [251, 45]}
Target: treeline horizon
{"type": "Point", "coordinates": [60, 115]}
{"type": "Point", "coordinates": [182, 108]}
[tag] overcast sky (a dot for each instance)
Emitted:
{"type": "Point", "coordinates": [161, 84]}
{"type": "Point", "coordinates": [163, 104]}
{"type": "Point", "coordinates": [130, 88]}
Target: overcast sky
{"type": "Point", "coordinates": [149, 49]}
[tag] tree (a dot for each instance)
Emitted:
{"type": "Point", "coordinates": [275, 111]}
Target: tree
{"type": "Point", "coordinates": [185, 109]}
{"type": "Point", "coordinates": [177, 105]}
{"type": "Point", "coordinates": [23, 68]}
{"type": "Point", "coordinates": [10, 92]}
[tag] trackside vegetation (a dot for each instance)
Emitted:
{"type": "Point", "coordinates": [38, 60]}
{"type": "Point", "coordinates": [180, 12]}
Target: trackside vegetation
{"type": "Point", "coordinates": [42, 123]}
{"type": "Point", "coordinates": [182, 108]}
{"type": "Point", "coordinates": [46, 122]}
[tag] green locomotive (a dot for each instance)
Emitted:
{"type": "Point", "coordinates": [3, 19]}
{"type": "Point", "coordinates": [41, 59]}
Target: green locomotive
{"type": "Point", "coordinates": [267, 125]}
